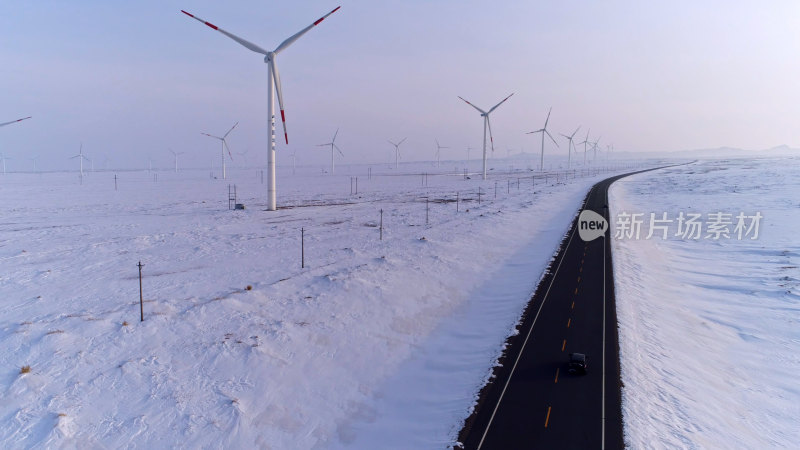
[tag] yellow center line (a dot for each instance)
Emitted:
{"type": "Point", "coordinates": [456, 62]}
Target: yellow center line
{"type": "Point", "coordinates": [569, 321]}
{"type": "Point", "coordinates": [576, 291]}
{"type": "Point", "coordinates": [573, 305]}
{"type": "Point", "coordinates": [581, 269]}
{"type": "Point", "coordinates": [557, 369]}
{"type": "Point", "coordinates": [564, 345]}
{"type": "Point", "coordinates": [547, 419]}
{"type": "Point", "coordinates": [579, 279]}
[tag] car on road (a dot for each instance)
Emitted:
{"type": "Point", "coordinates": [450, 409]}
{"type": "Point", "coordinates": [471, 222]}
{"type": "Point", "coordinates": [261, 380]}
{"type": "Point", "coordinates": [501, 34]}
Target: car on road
{"type": "Point", "coordinates": [577, 363]}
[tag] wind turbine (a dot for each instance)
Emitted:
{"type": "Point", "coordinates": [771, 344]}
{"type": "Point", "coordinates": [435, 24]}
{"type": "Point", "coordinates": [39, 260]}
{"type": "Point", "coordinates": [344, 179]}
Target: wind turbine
{"type": "Point", "coordinates": [14, 121]}
{"type": "Point", "coordinates": [438, 152]}
{"type": "Point", "coordinates": [585, 142]}
{"type": "Point", "coordinates": [224, 146]}
{"type": "Point", "coordinates": [333, 145]}
{"type": "Point", "coordinates": [544, 131]}
{"type": "Point", "coordinates": [176, 158]}
{"type": "Point", "coordinates": [594, 147]}
{"type": "Point", "coordinates": [33, 159]}
{"type": "Point", "coordinates": [273, 84]}
{"type": "Point", "coordinates": [397, 152]}
{"type": "Point", "coordinates": [294, 153]}
{"type": "Point", "coordinates": [570, 145]}
{"type": "Point", "coordinates": [80, 158]}
{"type": "Point", "coordinates": [486, 125]}
{"type": "Point", "coordinates": [4, 158]}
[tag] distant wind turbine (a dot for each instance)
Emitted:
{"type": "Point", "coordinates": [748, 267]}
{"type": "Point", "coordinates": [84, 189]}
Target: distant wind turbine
{"type": "Point", "coordinates": [544, 131]}
{"type": "Point", "coordinates": [585, 143]}
{"type": "Point", "coordinates": [438, 152]}
{"type": "Point", "coordinates": [174, 153]}
{"type": "Point", "coordinates": [33, 159]}
{"type": "Point", "coordinates": [224, 146]}
{"type": "Point", "coordinates": [486, 125]}
{"type": "Point", "coordinates": [397, 152]}
{"type": "Point", "coordinates": [335, 147]}
{"type": "Point", "coordinates": [273, 84]}
{"type": "Point", "coordinates": [594, 147]}
{"type": "Point", "coordinates": [14, 121]}
{"type": "Point", "coordinates": [570, 145]}
{"type": "Point", "coordinates": [80, 157]}
{"type": "Point", "coordinates": [4, 158]}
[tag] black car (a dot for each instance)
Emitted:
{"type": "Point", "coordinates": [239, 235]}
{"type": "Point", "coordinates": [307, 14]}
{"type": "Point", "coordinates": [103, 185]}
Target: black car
{"type": "Point", "coordinates": [577, 363]}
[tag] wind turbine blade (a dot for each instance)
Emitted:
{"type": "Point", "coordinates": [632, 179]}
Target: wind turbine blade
{"type": "Point", "coordinates": [211, 135]}
{"type": "Point", "coordinates": [391, 143]}
{"type": "Point", "coordinates": [576, 131]}
{"type": "Point", "coordinates": [470, 104]}
{"type": "Point", "coordinates": [551, 137]}
{"type": "Point", "coordinates": [337, 149]}
{"type": "Point", "coordinates": [14, 121]}
{"type": "Point", "coordinates": [404, 139]}
{"type": "Point", "coordinates": [334, 136]}
{"type": "Point", "coordinates": [227, 148]}
{"type": "Point", "coordinates": [229, 131]}
{"type": "Point", "coordinates": [534, 132]}
{"type": "Point", "coordinates": [277, 76]}
{"type": "Point", "coordinates": [489, 124]}
{"type": "Point", "coordinates": [548, 118]}
{"type": "Point", "coordinates": [501, 102]}
{"type": "Point", "coordinates": [297, 35]}
{"type": "Point", "coordinates": [244, 42]}
{"type": "Point", "coordinates": [323, 145]}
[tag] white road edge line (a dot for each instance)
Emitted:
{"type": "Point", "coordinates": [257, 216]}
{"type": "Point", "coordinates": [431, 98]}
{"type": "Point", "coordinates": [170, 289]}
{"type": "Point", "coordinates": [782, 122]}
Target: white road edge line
{"type": "Point", "coordinates": [525, 342]}
{"type": "Point", "coordinates": [603, 386]}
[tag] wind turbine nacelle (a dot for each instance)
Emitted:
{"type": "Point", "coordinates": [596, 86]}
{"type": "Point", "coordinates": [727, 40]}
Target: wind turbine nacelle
{"type": "Point", "coordinates": [268, 57]}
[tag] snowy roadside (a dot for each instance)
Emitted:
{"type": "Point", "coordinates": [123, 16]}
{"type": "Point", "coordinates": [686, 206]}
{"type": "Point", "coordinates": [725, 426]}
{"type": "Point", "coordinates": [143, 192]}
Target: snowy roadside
{"type": "Point", "coordinates": [709, 335]}
{"type": "Point", "coordinates": [308, 357]}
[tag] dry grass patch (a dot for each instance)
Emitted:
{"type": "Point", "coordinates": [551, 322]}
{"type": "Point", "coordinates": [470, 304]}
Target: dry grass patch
{"type": "Point", "coordinates": [25, 369]}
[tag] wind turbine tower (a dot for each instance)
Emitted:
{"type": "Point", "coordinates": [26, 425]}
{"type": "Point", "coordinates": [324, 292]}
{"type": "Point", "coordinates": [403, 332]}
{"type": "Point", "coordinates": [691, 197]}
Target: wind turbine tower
{"type": "Point", "coordinates": [570, 145]}
{"type": "Point", "coordinates": [174, 153]}
{"type": "Point", "coordinates": [80, 157]}
{"type": "Point", "coordinates": [273, 85]}
{"type": "Point", "coordinates": [486, 124]}
{"type": "Point", "coordinates": [438, 152]}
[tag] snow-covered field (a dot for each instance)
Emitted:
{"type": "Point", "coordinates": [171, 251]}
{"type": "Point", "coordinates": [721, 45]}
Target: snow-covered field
{"type": "Point", "coordinates": [375, 343]}
{"type": "Point", "coordinates": [710, 329]}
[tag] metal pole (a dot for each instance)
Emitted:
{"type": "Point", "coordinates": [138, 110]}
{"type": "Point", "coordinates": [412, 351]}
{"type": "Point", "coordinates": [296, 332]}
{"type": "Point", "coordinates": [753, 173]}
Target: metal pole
{"type": "Point", "coordinates": [115, 182]}
{"type": "Point", "coordinates": [271, 190]}
{"type": "Point", "coordinates": [141, 297]}
{"type": "Point", "coordinates": [426, 210]}
{"type": "Point", "coordinates": [456, 201]}
{"type": "Point", "coordinates": [302, 249]}
{"type": "Point", "coordinates": [381, 226]}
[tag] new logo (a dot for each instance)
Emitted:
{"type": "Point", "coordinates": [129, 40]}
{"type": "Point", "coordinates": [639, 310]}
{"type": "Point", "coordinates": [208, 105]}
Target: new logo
{"type": "Point", "coordinates": [591, 225]}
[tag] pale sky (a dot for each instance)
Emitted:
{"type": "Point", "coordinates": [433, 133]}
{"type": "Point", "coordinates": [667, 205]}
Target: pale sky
{"type": "Point", "coordinates": [130, 80]}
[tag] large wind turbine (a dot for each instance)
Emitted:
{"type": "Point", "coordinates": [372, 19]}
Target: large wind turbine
{"type": "Point", "coordinates": [570, 145]}
{"type": "Point", "coordinates": [486, 125]}
{"type": "Point", "coordinates": [80, 157]}
{"type": "Point", "coordinates": [14, 121]}
{"type": "Point", "coordinates": [224, 146]}
{"type": "Point", "coordinates": [333, 145]}
{"type": "Point", "coordinates": [438, 152]}
{"type": "Point", "coordinates": [544, 131]}
{"type": "Point", "coordinates": [397, 152]}
{"type": "Point", "coordinates": [176, 158]}
{"type": "Point", "coordinates": [273, 84]}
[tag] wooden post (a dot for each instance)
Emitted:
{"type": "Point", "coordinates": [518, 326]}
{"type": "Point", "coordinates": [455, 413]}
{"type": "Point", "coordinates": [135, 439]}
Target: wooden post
{"type": "Point", "coordinates": [456, 201]}
{"type": "Point", "coordinates": [141, 297]}
{"type": "Point", "coordinates": [426, 210]}
{"type": "Point", "coordinates": [115, 182]}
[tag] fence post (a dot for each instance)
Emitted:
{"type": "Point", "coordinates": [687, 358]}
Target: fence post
{"type": "Point", "coordinates": [456, 201]}
{"type": "Point", "coordinates": [302, 248]}
{"type": "Point", "coordinates": [381, 226]}
{"type": "Point", "coordinates": [141, 297]}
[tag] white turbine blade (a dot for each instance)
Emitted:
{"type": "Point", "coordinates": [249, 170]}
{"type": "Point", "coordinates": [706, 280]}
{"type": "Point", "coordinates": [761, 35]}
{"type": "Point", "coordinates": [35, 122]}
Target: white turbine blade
{"type": "Point", "coordinates": [576, 131]}
{"type": "Point", "coordinates": [323, 145]}
{"type": "Point", "coordinates": [277, 77]}
{"type": "Point", "coordinates": [211, 135]}
{"type": "Point", "coordinates": [534, 132]}
{"type": "Point", "coordinates": [244, 42]}
{"type": "Point", "coordinates": [14, 121]}
{"type": "Point", "coordinates": [337, 149]}
{"type": "Point", "coordinates": [297, 35]}
{"type": "Point", "coordinates": [404, 139]}
{"type": "Point", "coordinates": [470, 104]}
{"type": "Point", "coordinates": [229, 131]}
{"type": "Point", "coordinates": [501, 102]}
{"type": "Point", "coordinates": [489, 124]}
{"type": "Point", "coordinates": [548, 118]}
{"type": "Point", "coordinates": [227, 148]}
{"type": "Point", "coordinates": [391, 142]}
{"type": "Point", "coordinates": [551, 137]}
{"type": "Point", "coordinates": [334, 136]}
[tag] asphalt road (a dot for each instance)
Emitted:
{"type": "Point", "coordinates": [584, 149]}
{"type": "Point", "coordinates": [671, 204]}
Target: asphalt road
{"type": "Point", "coordinates": [533, 402]}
